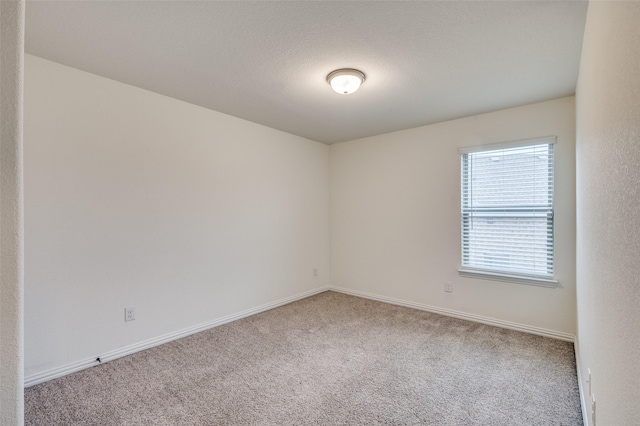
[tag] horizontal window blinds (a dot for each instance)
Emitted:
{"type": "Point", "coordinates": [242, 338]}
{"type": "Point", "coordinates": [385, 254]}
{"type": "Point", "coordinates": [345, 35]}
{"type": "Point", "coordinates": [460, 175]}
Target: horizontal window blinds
{"type": "Point", "coordinates": [507, 210]}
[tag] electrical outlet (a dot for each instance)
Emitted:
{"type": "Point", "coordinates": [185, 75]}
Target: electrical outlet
{"type": "Point", "coordinates": [315, 272]}
{"type": "Point", "coordinates": [129, 314]}
{"type": "Point", "coordinates": [448, 287]}
{"type": "Point", "coordinates": [593, 410]}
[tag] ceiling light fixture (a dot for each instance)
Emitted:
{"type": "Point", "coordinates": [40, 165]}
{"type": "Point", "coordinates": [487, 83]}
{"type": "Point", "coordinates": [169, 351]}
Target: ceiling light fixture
{"type": "Point", "coordinates": [345, 80]}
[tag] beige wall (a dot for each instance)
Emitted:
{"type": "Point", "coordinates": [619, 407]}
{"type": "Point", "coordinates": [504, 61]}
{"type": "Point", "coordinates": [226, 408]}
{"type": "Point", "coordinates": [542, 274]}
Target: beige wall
{"type": "Point", "coordinates": [395, 217]}
{"type": "Point", "coordinates": [133, 199]}
{"type": "Point", "coordinates": [608, 210]}
{"type": "Point", "coordinates": [11, 213]}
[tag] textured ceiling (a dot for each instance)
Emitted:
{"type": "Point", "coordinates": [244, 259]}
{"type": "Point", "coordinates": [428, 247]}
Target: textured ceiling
{"type": "Point", "coordinates": [267, 62]}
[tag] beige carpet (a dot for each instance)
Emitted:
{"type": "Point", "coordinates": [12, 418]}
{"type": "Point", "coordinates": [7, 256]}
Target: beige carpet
{"type": "Point", "coordinates": [330, 359]}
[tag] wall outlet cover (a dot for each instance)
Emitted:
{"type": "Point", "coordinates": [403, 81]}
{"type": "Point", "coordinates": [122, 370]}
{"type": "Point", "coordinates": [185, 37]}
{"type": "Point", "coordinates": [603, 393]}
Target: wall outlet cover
{"type": "Point", "coordinates": [129, 314]}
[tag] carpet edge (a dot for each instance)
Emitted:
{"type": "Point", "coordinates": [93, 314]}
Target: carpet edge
{"type": "Point", "coordinates": [73, 367]}
{"type": "Point", "coordinates": [559, 335]}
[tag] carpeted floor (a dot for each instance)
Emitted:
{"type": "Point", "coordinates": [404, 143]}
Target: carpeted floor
{"type": "Point", "coordinates": [330, 359]}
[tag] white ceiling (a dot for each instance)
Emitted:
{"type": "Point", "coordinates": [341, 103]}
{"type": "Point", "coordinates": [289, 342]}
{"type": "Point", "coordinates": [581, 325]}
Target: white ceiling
{"type": "Point", "coordinates": [267, 61]}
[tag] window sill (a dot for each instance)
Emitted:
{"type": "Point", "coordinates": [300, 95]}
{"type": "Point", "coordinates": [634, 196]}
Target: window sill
{"type": "Point", "coordinates": [518, 279]}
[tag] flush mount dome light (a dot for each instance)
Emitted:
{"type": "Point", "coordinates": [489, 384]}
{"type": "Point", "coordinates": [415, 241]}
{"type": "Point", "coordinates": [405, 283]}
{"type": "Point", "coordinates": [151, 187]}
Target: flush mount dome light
{"type": "Point", "coordinates": [346, 80]}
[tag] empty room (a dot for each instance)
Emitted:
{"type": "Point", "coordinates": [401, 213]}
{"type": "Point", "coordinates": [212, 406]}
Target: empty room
{"type": "Point", "coordinates": [320, 213]}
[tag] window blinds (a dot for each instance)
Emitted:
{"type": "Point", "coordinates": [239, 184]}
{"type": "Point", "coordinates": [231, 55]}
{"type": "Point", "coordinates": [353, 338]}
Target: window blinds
{"type": "Point", "coordinates": [507, 210]}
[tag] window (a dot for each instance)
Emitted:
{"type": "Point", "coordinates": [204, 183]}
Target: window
{"type": "Point", "coordinates": [507, 212]}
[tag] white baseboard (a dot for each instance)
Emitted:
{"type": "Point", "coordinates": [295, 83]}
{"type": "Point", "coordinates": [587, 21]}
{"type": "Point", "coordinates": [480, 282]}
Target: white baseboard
{"type": "Point", "coordinates": [457, 314]}
{"type": "Point", "coordinates": [583, 400]}
{"type": "Point", "coordinates": [137, 347]}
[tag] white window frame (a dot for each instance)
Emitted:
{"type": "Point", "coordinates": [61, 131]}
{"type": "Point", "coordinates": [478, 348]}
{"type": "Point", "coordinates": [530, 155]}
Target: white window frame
{"type": "Point", "coordinates": [471, 272]}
